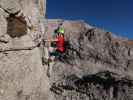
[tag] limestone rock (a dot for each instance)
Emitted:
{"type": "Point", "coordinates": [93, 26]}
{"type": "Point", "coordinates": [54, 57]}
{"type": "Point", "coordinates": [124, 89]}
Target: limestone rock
{"type": "Point", "coordinates": [22, 75]}
{"type": "Point", "coordinates": [95, 66]}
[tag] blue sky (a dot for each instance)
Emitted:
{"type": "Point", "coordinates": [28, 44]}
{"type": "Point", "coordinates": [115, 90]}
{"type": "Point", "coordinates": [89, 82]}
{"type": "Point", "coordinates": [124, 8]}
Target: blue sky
{"type": "Point", "coordinates": [112, 15]}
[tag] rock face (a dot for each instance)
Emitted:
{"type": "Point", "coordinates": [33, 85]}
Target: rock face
{"type": "Point", "coordinates": [96, 64]}
{"type": "Point", "coordinates": [22, 75]}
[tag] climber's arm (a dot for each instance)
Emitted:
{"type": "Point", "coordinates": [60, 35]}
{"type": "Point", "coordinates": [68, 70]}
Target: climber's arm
{"type": "Point", "coordinates": [51, 40]}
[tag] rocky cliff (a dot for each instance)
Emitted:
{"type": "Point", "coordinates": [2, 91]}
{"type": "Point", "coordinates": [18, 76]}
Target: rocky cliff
{"type": "Point", "coordinates": [96, 64]}
{"type": "Point", "coordinates": [22, 75]}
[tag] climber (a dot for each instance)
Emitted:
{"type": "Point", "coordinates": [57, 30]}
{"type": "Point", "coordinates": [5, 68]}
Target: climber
{"type": "Point", "coordinates": [56, 30]}
{"type": "Point", "coordinates": [58, 44]}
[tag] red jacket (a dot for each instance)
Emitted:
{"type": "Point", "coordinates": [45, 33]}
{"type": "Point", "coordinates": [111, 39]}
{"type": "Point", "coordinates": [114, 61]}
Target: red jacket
{"type": "Point", "coordinates": [60, 43]}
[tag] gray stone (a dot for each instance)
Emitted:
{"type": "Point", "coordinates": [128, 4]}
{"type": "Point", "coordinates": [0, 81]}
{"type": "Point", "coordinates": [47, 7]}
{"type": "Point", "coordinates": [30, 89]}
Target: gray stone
{"type": "Point", "coordinates": [22, 75]}
{"type": "Point", "coordinates": [96, 65]}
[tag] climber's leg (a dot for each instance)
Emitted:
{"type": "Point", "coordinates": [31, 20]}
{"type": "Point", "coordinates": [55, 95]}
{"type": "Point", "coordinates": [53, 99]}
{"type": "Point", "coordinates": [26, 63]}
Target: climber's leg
{"type": "Point", "coordinates": [51, 53]}
{"type": "Point", "coordinates": [51, 58]}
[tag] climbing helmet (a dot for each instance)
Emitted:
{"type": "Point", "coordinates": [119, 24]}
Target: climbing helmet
{"type": "Point", "coordinates": [61, 30]}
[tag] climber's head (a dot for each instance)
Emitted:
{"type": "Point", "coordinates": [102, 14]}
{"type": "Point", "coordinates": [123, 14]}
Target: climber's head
{"type": "Point", "coordinates": [61, 31]}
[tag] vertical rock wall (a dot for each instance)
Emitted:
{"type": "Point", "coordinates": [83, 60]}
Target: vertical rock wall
{"type": "Point", "coordinates": [22, 76]}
